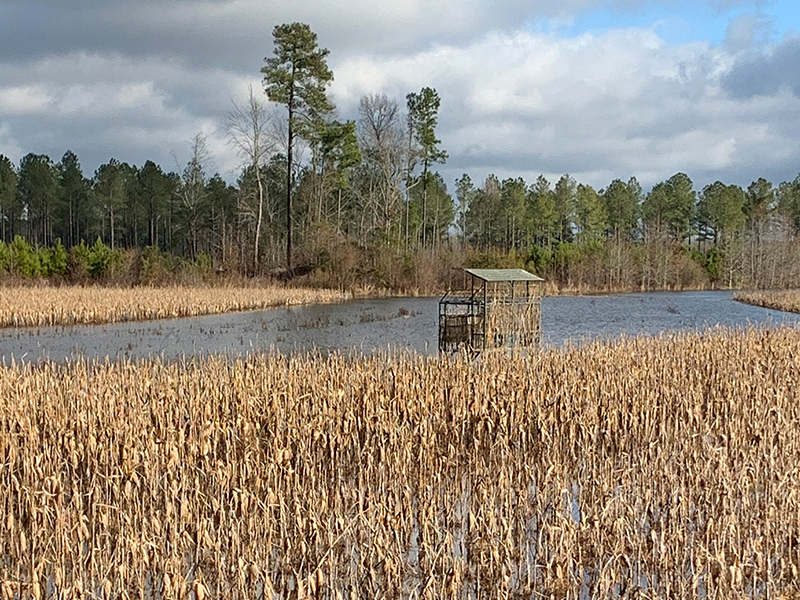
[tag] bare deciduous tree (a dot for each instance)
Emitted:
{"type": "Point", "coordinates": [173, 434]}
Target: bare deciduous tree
{"type": "Point", "coordinates": [248, 131]}
{"type": "Point", "coordinates": [381, 136]}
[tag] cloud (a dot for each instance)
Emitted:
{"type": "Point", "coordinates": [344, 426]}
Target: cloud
{"type": "Point", "coordinates": [746, 30]}
{"type": "Point", "coordinates": [137, 82]}
{"type": "Point", "coordinates": [8, 145]}
{"type": "Point", "coordinates": [596, 106]}
{"type": "Point", "coordinates": [236, 34]}
{"type": "Point", "coordinates": [766, 74]}
{"type": "Point", "coordinates": [103, 107]}
{"type": "Point", "coordinates": [21, 100]}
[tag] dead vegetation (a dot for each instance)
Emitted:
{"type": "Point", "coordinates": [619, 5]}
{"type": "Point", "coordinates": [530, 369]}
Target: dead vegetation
{"type": "Point", "coordinates": [656, 468]}
{"type": "Point", "coordinates": [47, 306]}
{"type": "Point", "coordinates": [786, 300]}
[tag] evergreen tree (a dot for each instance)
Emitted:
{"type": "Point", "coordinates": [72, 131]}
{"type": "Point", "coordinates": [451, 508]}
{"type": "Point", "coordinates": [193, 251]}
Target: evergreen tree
{"type": "Point", "coordinates": [789, 202]}
{"type": "Point", "coordinates": [542, 210]}
{"type": "Point", "coordinates": [297, 77]}
{"type": "Point", "coordinates": [109, 191]}
{"type": "Point", "coordinates": [759, 202]}
{"type": "Point", "coordinates": [9, 208]}
{"type": "Point", "coordinates": [37, 190]}
{"type": "Point", "coordinates": [669, 207]}
{"type": "Point", "coordinates": [590, 213]}
{"type": "Point", "coordinates": [221, 199]}
{"type": "Point", "coordinates": [720, 211]}
{"type": "Point", "coordinates": [440, 211]}
{"type": "Point", "coordinates": [565, 199]}
{"type": "Point", "coordinates": [514, 214]}
{"type": "Point", "coordinates": [484, 213]}
{"type": "Point", "coordinates": [156, 190]}
{"type": "Point", "coordinates": [337, 151]}
{"type": "Point", "coordinates": [423, 116]}
{"type": "Point", "coordinates": [621, 202]}
{"type": "Point", "coordinates": [74, 189]}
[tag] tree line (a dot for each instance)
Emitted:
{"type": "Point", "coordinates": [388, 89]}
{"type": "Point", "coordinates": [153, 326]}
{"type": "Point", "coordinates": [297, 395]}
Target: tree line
{"type": "Point", "coordinates": [513, 214]}
{"type": "Point", "coordinates": [305, 175]}
{"type": "Point", "coordinates": [738, 236]}
{"type": "Point", "coordinates": [315, 193]}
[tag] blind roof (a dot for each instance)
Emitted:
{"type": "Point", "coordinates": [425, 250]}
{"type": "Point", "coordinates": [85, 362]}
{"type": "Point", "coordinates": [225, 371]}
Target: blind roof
{"type": "Point", "coordinates": [503, 275]}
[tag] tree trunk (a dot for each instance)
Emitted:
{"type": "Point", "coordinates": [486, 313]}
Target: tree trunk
{"type": "Point", "coordinates": [339, 213]}
{"type": "Point", "coordinates": [289, 191]}
{"type": "Point", "coordinates": [408, 177]}
{"type": "Point", "coordinates": [424, 203]}
{"type": "Point", "coordinates": [258, 220]}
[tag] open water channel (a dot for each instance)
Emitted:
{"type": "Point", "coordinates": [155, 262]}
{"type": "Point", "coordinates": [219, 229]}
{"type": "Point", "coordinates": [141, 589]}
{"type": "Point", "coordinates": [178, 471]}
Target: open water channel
{"type": "Point", "coordinates": [370, 325]}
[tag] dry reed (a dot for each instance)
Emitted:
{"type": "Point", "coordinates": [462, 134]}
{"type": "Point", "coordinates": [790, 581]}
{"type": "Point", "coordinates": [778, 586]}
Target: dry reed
{"type": "Point", "coordinates": [45, 306]}
{"type": "Point", "coordinates": [786, 300]}
{"type": "Point", "coordinates": [651, 468]}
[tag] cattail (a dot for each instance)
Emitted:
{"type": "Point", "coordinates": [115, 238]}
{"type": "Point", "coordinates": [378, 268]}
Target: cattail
{"type": "Point", "coordinates": [200, 590]}
{"type": "Point", "coordinates": [36, 307]}
{"type": "Point", "coordinates": [8, 590]}
{"type": "Point", "coordinates": [182, 589]}
{"type": "Point", "coordinates": [669, 460]}
{"type": "Point", "coordinates": [786, 300]}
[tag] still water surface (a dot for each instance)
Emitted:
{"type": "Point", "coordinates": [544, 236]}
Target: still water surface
{"type": "Point", "coordinates": [369, 325]}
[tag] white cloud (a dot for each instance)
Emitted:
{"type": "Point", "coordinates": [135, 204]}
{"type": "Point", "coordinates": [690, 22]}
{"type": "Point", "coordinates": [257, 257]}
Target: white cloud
{"type": "Point", "coordinates": [619, 104]}
{"type": "Point", "coordinates": [8, 145]}
{"type": "Point", "coordinates": [107, 80]}
{"type": "Point", "coordinates": [110, 99]}
{"type": "Point", "coordinates": [23, 100]}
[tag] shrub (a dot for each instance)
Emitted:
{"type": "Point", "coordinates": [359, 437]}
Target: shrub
{"type": "Point", "coordinates": [77, 262]}
{"type": "Point", "coordinates": [155, 265]}
{"type": "Point", "coordinates": [204, 264]}
{"type": "Point", "coordinates": [25, 260]}
{"type": "Point", "coordinates": [710, 260]}
{"type": "Point", "coordinates": [5, 257]}
{"type": "Point", "coordinates": [54, 260]}
{"type": "Point", "coordinates": [540, 260]}
{"type": "Point", "coordinates": [101, 260]}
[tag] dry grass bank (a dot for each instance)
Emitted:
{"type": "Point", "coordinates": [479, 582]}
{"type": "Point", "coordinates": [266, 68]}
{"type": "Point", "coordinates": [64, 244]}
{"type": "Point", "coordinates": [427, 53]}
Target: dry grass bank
{"type": "Point", "coordinates": [787, 300]}
{"type": "Point", "coordinates": [25, 306]}
{"type": "Point", "coordinates": [662, 468]}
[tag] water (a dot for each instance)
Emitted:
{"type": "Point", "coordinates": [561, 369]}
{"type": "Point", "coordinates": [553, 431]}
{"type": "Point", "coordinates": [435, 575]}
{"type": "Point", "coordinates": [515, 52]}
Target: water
{"type": "Point", "coordinates": [367, 325]}
{"type": "Point", "coordinates": [586, 318]}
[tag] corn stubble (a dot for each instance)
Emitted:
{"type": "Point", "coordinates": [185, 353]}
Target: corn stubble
{"type": "Point", "coordinates": [650, 468]}
{"type": "Point", "coordinates": [786, 300]}
{"type": "Point", "coordinates": [45, 306]}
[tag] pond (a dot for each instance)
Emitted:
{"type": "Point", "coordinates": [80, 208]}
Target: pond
{"type": "Point", "coordinates": [369, 325]}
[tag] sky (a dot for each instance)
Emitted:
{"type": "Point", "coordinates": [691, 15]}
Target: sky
{"type": "Point", "coordinates": [599, 89]}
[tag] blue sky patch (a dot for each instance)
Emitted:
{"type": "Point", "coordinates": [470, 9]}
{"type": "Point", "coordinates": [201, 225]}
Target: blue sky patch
{"type": "Point", "coordinates": [680, 22]}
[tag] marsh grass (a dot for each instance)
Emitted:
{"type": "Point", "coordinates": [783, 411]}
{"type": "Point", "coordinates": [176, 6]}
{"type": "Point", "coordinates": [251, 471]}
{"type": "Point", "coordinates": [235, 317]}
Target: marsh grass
{"type": "Point", "coordinates": [654, 467]}
{"type": "Point", "coordinates": [75, 305]}
{"type": "Point", "coordinates": [786, 300]}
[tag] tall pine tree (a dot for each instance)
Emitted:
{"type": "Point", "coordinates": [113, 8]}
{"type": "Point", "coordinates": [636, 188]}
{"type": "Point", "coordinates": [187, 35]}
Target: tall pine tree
{"type": "Point", "coordinates": [297, 77]}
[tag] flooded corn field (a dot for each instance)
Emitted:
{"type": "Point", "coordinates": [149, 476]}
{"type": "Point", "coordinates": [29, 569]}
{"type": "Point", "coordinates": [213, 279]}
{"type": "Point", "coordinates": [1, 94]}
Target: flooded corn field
{"type": "Point", "coordinates": [365, 326]}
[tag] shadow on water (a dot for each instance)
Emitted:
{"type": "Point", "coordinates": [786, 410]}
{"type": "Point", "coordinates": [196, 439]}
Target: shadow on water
{"type": "Point", "coordinates": [370, 325]}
